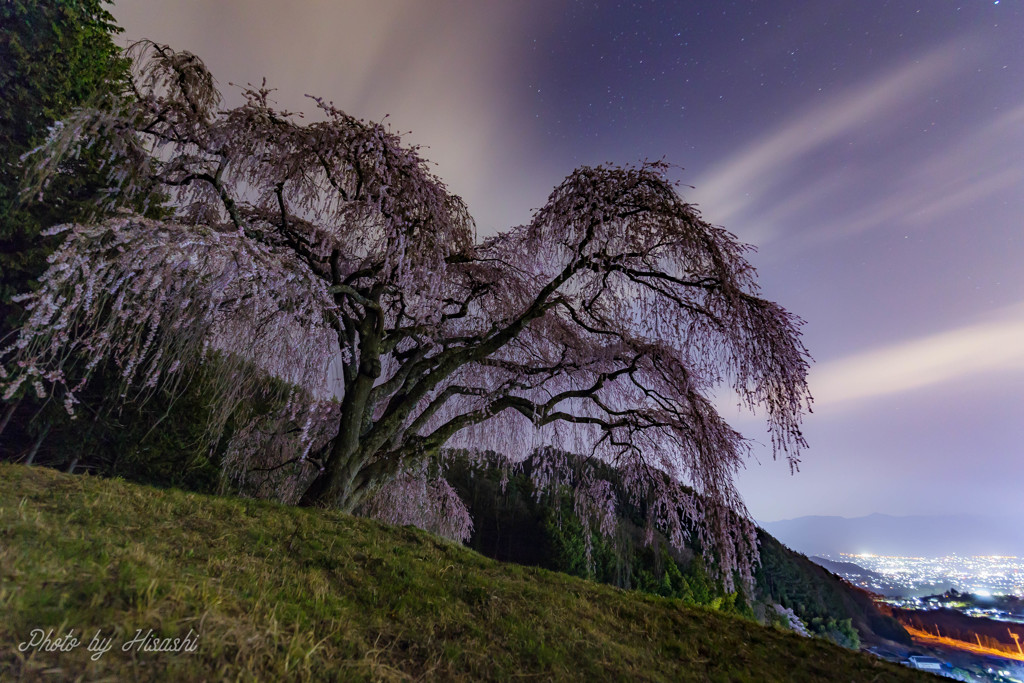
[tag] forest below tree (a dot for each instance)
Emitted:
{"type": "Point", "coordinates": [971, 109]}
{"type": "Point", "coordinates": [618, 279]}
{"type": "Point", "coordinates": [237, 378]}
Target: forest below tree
{"type": "Point", "coordinates": [515, 522]}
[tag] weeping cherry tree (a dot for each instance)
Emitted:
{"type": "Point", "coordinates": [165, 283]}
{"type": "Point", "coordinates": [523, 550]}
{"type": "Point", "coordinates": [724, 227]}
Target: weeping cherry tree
{"type": "Point", "coordinates": [601, 328]}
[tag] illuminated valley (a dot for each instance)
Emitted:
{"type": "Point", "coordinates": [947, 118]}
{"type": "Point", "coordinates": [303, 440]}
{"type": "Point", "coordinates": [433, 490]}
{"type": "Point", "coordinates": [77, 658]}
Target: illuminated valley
{"type": "Point", "coordinates": [919, 576]}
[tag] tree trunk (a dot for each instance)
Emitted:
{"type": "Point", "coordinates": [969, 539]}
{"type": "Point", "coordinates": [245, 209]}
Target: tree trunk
{"type": "Point", "coordinates": [8, 415]}
{"type": "Point", "coordinates": [321, 493]}
{"type": "Point", "coordinates": [333, 486]}
{"type": "Point", "coordinates": [35, 447]}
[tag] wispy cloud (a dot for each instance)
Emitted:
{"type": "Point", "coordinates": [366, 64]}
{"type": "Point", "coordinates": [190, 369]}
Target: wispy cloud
{"type": "Point", "coordinates": [960, 175]}
{"type": "Point", "coordinates": [728, 189]}
{"type": "Point", "coordinates": [438, 69]}
{"type": "Point", "coordinates": [994, 345]}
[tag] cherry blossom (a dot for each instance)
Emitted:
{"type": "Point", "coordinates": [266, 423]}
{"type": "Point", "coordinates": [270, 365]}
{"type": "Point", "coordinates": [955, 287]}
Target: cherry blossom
{"type": "Point", "coordinates": [602, 327]}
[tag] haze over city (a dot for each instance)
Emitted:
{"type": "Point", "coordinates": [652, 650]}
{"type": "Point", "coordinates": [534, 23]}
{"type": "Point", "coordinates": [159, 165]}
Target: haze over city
{"type": "Point", "coordinates": [873, 152]}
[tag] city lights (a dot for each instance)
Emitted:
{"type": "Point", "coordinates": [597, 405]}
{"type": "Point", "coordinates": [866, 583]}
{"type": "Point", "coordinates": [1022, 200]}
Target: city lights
{"type": "Point", "coordinates": [980, 575]}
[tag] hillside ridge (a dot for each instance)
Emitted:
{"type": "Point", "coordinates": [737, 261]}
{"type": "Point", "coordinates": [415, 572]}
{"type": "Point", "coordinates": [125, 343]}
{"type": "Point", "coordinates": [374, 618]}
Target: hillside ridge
{"type": "Point", "coordinates": [276, 592]}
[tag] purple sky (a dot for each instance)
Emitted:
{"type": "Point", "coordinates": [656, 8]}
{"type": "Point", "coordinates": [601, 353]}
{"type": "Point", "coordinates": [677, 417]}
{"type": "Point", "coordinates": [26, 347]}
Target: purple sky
{"type": "Point", "coordinates": [873, 151]}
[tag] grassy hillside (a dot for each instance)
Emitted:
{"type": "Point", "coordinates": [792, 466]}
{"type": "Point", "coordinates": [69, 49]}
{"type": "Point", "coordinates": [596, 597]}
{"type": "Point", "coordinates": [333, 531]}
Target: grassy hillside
{"type": "Point", "coordinates": [284, 593]}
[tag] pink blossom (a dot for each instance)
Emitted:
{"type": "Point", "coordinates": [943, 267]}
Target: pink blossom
{"type": "Point", "coordinates": [600, 328]}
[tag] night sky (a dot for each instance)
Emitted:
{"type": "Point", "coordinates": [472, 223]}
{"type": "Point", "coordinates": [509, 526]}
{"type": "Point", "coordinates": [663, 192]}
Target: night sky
{"type": "Point", "coordinates": [873, 151]}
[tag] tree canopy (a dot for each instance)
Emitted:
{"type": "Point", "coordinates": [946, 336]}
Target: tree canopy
{"type": "Point", "coordinates": [602, 327]}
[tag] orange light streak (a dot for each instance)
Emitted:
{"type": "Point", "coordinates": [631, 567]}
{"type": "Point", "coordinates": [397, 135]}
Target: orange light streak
{"type": "Point", "coordinates": [962, 645]}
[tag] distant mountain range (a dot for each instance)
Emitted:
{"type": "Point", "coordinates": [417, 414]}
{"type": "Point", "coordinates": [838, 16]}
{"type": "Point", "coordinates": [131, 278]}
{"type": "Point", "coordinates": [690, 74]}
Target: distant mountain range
{"type": "Point", "coordinates": [925, 536]}
{"type": "Point", "coordinates": [846, 569]}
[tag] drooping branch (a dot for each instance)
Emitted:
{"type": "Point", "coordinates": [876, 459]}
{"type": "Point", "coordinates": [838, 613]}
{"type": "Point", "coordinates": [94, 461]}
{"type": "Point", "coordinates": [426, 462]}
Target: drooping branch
{"type": "Point", "coordinates": [601, 327]}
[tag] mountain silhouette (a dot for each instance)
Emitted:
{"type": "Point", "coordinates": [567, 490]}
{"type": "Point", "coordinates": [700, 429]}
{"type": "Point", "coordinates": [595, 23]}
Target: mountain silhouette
{"type": "Point", "coordinates": [926, 536]}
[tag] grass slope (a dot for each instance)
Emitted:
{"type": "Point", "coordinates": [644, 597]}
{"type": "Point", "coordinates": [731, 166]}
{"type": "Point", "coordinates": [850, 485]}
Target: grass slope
{"type": "Point", "coordinates": [279, 593]}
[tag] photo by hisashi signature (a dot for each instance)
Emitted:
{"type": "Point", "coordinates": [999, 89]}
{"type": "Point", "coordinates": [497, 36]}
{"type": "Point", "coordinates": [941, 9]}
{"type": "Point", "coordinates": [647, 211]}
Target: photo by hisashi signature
{"type": "Point", "coordinates": [45, 640]}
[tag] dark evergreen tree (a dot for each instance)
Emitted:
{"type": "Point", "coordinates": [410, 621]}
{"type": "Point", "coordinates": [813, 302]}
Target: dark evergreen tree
{"type": "Point", "coordinates": [55, 55]}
